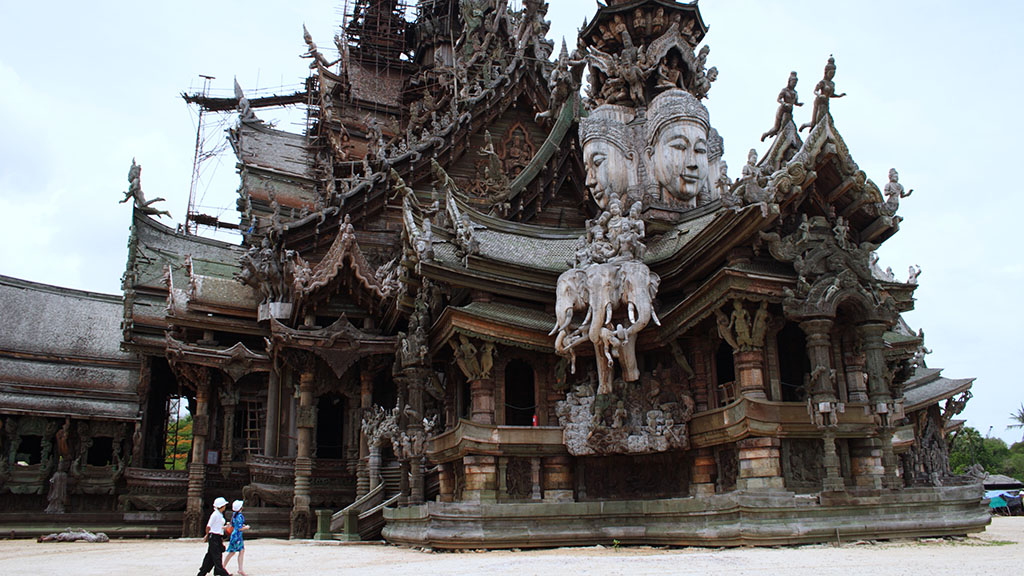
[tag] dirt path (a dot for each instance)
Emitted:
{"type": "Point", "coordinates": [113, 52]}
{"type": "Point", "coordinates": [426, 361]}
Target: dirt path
{"type": "Point", "coordinates": [999, 551]}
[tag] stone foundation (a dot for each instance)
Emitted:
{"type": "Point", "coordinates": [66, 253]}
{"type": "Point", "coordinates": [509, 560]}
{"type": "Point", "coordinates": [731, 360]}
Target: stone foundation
{"type": "Point", "coordinates": [733, 519]}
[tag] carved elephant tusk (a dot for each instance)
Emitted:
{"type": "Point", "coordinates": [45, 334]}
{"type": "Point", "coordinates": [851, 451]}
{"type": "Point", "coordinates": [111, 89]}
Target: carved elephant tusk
{"type": "Point", "coordinates": [631, 310]}
{"type": "Point", "coordinates": [654, 316]}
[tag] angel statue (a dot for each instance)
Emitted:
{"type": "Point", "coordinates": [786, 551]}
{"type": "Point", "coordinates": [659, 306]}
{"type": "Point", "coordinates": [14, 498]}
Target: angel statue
{"type": "Point", "coordinates": [135, 192]}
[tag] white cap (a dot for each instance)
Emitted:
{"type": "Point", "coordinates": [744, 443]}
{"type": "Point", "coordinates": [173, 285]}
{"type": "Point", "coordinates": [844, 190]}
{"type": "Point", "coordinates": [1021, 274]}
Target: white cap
{"type": "Point", "coordinates": [236, 505]}
{"type": "Point", "coordinates": [220, 502]}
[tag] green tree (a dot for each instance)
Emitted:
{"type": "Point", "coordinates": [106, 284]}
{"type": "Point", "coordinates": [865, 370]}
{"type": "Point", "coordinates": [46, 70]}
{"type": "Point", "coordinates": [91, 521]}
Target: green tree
{"type": "Point", "coordinates": [1018, 419]}
{"type": "Point", "coordinates": [969, 447]}
{"type": "Point", "coordinates": [178, 442]}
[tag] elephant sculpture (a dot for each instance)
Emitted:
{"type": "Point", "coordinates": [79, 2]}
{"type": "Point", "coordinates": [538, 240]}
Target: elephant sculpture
{"type": "Point", "coordinates": [618, 297]}
{"type": "Point", "coordinates": [571, 295]}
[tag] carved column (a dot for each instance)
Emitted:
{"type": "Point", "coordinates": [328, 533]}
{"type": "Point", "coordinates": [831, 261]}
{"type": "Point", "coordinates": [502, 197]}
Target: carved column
{"type": "Point", "coordinates": [414, 428]}
{"type": "Point", "coordinates": [855, 377]}
{"type": "Point", "coordinates": [833, 481]}
{"type": "Point", "coordinates": [139, 437]}
{"type": "Point", "coordinates": [873, 345]}
{"type": "Point", "coordinates": [822, 396]}
{"type": "Point", "coordinates": [273, 424]}
{"type": "Point", "coordinates": [306, 421]}
{"type": "Point", "coordinates": [365, 480]}
{"type": "Point", "coordinates": [747, 340]}
{"type": "Point", "coordinates": [228, 402]}
{"type": "Point", "coordinates": [703, 473]}
{"type": "Point", "coordinates": [760, 464]}
{"type": "Point", "coordinates": [750, 373]}
{"type": "Point", "coordinates": [557, 479]}
{"type": "Point", "coordinates": [193, 523]}
{"type": "Point", "coordinates": [701, 378]}
{"type": "Point", "coordinates": [819, 348]}
{"type": "Point", "coordinates": [481, 406]}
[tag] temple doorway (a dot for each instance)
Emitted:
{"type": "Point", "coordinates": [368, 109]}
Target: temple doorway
{"type": "Point", "coordinates": [794, 366]}
{"type": "Point", "coordinates": [330, 427]}
{"type": "Point", "coordinates": [520, 394]}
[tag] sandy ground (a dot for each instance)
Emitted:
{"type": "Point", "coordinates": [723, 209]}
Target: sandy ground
{"type": "Point", "coordinates": [998, 551]}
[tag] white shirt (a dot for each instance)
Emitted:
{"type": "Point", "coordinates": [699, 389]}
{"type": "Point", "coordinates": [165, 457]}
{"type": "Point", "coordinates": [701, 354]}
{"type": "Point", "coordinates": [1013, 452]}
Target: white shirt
{"type": "Point", "coordinates": [216, 523]}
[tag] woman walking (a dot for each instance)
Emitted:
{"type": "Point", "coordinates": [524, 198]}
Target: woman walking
{"type": "Point", "coordinates": [237, 544]}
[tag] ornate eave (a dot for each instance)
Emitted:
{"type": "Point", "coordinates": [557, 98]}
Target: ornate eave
{"type": "Point", "coordinates": [340, 345]}
{"type": "Point", "coordinates": [507, 324]}
{"type": "Point", "coordinates": [827, 175]}
{"type": "Point", "coordinates": [927, 387]}
{"type": "Point", "coordinates": [606, 14]}
{"type": "Point", "coordinates": [724, 285]}
{"type": "Point", "coordinates": [235, 361]}
{"type": "Point", "coordinates": [344, 263]}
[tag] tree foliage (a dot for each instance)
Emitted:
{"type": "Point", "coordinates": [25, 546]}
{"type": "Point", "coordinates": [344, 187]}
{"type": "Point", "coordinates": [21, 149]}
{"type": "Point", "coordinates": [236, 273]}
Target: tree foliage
{"type": "Point", "coordinates": [178, 443]}
{"type": "Point", "coordinates": [969, 447]}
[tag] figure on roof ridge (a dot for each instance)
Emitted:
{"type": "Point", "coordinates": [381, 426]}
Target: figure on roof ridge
{"type": "Point", "coordinates": [787, 99]}
{"type": "Point", "coordinates": [135, 193]}
{"type": "Point", "coordinates": [824, 91]}
{"type": "Point", "coordinates": [894, 191]}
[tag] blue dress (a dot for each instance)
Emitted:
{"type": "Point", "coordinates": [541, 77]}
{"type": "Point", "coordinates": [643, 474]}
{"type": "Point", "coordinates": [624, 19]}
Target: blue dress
{"type": "Point", "coordinates": [236, 544]}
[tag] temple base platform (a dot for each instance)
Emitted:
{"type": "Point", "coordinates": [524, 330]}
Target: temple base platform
{"type": "Point", "coordinates": [730, 519]}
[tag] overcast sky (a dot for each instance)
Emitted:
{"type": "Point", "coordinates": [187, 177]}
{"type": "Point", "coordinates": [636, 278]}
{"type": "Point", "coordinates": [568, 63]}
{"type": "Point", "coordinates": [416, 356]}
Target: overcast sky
{"type": "Point", "coordinates": [933, 90]}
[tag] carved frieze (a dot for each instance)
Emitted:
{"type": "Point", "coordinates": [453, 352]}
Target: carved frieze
{"type": "Point", "coordinates": [648, 418]}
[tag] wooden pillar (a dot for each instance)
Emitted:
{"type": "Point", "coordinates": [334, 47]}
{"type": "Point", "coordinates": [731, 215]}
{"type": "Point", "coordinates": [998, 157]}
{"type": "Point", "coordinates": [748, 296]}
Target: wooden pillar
{"type": "Point", "coordinates": [557, 479]}
{"type": "Point", "coordinates": [273, 425]}
{"type": "Point", "coordinates": [833, 480]}
{"type": "Point", "coordinates": [535, 479]}
{"type": "Point", "coordinates": [822, 396]}
{"type": "Point", "coordinates": [193, 522]}
{"type": "Point", "coordinates": [873, 345]}
{"type": "Point", "coordinates": [701, 376]}
{"type": "Point", "coordinates": [416, 380]}
{"type": "Point", "coordinates": [364, 477]}
{"type": "Point", "coordinates": [301, 516]}
{"type": "Point", "coordinates": [139, 434]}
{"type": "Point", "coordinates": [229, 402]}
{"type": "Point", "coordinates": [760, 464]}
{"type": "Point", "coordinates": [373, 463]}
{"type": "Point", "coordinates": [750, 373]}
{"type": "Point", "coordinates": [481, 394]}
{"type": "Point", "coordinates": [703, 473]}
{"type": "Point", "coordinates": [856, 386]}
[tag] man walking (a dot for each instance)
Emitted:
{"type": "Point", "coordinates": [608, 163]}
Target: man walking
{"type": "Point", "coordinates": [215, 537]}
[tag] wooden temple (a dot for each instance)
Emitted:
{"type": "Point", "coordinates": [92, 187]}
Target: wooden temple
{"type": "Point", "coordinates": [478, 306]}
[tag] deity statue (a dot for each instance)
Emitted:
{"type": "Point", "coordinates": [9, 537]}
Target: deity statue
{"type": "Point", "coordinates": [610, 163]}
{"type": "Point", "coordinates": [244, 108]}
{"type": "Point", "coordinates": [893, 192]}
{"type": "Point", "coordinates": [823, 92]}
{"type": "Point", "coordinates": [787, 99]}
{"type": "Point", "coordinates": [135, 194]}
{"type": "Point", "coordinates": [914, 272]}
{"type": "Point", "coordinates": [676, 135]}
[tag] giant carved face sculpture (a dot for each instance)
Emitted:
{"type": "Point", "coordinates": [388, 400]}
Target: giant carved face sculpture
{"type": "Point", "coordinates": [677, 147]}
{"type": "Point", "coordinates": [611, 168]}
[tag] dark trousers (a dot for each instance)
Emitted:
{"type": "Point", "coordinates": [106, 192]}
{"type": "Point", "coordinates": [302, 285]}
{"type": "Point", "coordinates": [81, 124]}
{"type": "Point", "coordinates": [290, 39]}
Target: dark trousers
{"type": "Point", "coordinates": [212, 560]}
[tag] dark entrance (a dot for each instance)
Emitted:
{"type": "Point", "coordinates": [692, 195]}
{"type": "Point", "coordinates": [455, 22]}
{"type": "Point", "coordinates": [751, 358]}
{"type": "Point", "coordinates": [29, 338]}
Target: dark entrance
{"type": "Point", "coordinates": [520, 395]}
